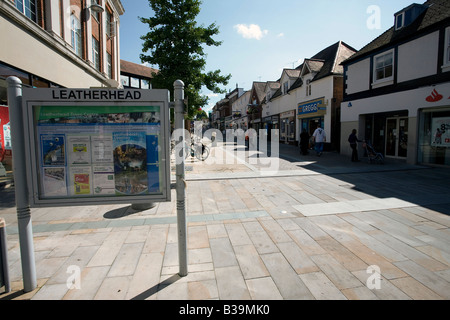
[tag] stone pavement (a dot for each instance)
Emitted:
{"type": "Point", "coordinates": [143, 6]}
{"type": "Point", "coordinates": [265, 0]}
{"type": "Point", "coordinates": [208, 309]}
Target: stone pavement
{"type": "Point", "coordinates": [317, 228]}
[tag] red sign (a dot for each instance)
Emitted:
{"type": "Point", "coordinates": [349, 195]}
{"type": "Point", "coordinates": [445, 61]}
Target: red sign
{"type": "Point", "coordinates": [435, 96]}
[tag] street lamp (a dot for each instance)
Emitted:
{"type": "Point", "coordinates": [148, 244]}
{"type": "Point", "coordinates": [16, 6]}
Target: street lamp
{"type": "Point", "coordinates": [96, 8]}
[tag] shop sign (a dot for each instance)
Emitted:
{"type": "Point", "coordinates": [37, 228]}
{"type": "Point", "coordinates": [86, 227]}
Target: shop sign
{"type": "Point", "coordinates": [312, 107]}
{"type": "Point", "coordinates": [288, 114]}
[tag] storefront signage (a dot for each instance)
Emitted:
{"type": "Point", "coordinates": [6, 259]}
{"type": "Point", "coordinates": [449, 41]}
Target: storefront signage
{"type": "Point", "coordinates": [97, 146]}
{"type": "Point", "coordinates": [287, 114]}
{"type": "Point", "coordinates": [312, 107]}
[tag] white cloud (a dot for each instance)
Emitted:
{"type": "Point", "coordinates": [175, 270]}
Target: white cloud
{"type": "Point", "coordinates": [252, 31]}
{"type": "Point", "coordinates": [280, 35]}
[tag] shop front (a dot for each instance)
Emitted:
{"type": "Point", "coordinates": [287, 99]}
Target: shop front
{"type": "Point", "coordinates": [434, 136]}
{"type": "Point", "coordinates": [388, 133]}
{"type": "Point", "coordinates": [269, 124]}
{"type": "Point", "coordinates": [287, 127]}
{"type": "Point", "coordinates": [311, 114]}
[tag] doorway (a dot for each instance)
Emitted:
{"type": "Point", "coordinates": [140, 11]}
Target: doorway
{"type": "Point", "coordinates": [397, 137]}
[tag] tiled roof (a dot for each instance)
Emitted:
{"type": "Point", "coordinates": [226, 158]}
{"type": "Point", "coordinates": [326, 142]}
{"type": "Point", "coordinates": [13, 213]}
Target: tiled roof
{"type": "Point", "coordinates": [259, 89]}
{"type": "Point", "coordinates": [137, 69]}
{"type": "Point", "coordinates": [292, 73]}
{"type": "Point", "coordinates": [437, 11]}
{"type": "Point", "coordinates": [331, 58]}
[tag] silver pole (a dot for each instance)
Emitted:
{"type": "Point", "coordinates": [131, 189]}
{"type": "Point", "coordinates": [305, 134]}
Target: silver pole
{"type": "Point", "coordinates": [180, 175]}
{"type": "Point", "coordinates": [21, 185]}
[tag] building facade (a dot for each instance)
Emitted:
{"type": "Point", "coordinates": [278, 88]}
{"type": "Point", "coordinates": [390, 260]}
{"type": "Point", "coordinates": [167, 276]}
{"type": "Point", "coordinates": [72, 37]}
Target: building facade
{"type": "Point", "coordinates": [136, 76]}
{"type": "Point", "coordinates": [397, 88]}
{"type": "Point", "coordinates": [65, 43]}
{"type": "Point", "coordinates": [308, 96]}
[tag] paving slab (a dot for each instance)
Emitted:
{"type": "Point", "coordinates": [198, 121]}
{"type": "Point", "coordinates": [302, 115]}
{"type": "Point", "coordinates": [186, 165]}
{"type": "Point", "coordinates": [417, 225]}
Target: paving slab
{"type": "Point", "coordinates": [309, 230]}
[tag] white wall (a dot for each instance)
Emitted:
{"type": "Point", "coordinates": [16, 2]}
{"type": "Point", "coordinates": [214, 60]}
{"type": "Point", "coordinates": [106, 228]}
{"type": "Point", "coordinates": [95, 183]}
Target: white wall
{"type": "Point", "coordinates": [410, 100]}
{"type": "Point", "coordinates": [358, 77]}
{"type": "Point", "coordinates": [418, 58]}
{"type": "Point", "coordinates": [321, 88]}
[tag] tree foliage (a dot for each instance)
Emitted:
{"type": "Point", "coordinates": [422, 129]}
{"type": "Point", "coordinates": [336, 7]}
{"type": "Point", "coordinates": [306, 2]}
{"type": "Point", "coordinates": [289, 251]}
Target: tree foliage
{"type": "Point", "coordinates": [175, 43]}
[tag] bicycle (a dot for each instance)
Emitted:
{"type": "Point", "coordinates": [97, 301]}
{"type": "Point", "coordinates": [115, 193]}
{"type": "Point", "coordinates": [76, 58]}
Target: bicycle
{"type": "Point", "coordinates": [198, 150]}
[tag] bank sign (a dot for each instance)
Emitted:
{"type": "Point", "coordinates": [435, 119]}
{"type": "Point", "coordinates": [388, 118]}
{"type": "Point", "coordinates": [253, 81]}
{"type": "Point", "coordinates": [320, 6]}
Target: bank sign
{"type": "Point", "coordinates": [311, 107]}
{"type": "Point", "coordinates": [97, 146]}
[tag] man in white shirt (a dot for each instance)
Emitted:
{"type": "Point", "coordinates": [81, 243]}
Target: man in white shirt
{"type": "Point", "coordinates": [320, 137]}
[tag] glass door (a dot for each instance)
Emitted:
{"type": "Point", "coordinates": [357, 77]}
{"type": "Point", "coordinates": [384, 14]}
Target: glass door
{"type": "Point", "coordinates": [397, 137]}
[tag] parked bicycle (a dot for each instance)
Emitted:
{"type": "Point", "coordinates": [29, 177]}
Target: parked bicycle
{"type": "Point", "coordinates": [198, 150]}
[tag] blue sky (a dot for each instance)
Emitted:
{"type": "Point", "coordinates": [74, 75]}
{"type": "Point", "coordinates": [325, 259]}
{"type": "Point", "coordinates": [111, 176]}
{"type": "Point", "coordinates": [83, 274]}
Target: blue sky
{"type": "Point", "coordinates": [262, 37]}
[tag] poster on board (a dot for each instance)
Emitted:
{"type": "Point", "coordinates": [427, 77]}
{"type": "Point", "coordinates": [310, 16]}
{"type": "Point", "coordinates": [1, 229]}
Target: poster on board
{"type": "Point", "coordinates": [440, 130]}
{"type": "Point", "coordinates": [97, 146]}
{"type": "Point", "coordinates": [97, 151]}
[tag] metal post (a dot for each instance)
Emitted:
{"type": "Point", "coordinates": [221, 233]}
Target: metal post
{"type": "Point", "coordinates": [180, 175]}
{"type": "Point", "coordinates": [21, 185]}
{"type": "Point", "coordinates": [4, 267]}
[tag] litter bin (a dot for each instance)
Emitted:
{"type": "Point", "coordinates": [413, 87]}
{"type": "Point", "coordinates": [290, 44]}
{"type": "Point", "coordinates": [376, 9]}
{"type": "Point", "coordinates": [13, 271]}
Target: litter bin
{"type": "Point", "coordinates": [4, 273]}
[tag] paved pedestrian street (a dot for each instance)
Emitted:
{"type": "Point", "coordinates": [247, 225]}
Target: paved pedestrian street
{"type": "Point", "coordinates": [318, 228]}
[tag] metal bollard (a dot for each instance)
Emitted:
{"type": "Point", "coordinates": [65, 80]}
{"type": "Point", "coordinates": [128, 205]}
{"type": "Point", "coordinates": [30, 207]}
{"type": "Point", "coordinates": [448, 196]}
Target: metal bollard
{"type": "Point", "coordinates": [4, 269]}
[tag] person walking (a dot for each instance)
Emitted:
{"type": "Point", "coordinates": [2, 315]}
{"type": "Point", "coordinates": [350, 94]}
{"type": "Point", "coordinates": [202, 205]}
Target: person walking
{"type": "Point", "coordinates": [353, 140]}
{"type": "Point", "coordinates": [320, 137]}
{"type": "Point", "coordinates": [304, 142]}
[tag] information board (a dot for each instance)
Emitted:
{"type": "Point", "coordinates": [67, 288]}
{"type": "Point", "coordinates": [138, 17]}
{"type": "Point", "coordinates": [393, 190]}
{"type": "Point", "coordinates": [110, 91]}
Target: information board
{"type": "Point", "coordinates": [97, 146]}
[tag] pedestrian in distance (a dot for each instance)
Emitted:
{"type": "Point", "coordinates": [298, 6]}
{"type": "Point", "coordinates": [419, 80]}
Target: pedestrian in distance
{"type": "Point", "coordinates": [320, 137]}
{"type": "Point", "coordinates": [353, 140]}
{"type": "Point", "coordinates": [304, 142]}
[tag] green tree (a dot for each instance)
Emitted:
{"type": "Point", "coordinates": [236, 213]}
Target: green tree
{"type": "Point", "coordinates": [175, 44]}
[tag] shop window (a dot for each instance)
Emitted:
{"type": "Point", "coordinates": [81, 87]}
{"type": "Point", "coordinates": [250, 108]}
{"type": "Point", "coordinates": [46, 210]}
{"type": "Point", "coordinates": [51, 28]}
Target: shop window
{"type": "Point", "coordinates": [434, 137]}
{"type": "Point", "coordinates": [6, 71]}
{"type": "Point", "coordinates": [38, 82]}
{"type": "Point", "coordinates": [28, 8]}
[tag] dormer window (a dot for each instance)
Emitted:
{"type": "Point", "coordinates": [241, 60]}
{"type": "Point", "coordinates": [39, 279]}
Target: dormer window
{"type": "Point", "coordinates": [399, 21]}
{"type": "Point", "coordinates": [286, 87]}
{"type": "Point", "coordinates": [408, 15]}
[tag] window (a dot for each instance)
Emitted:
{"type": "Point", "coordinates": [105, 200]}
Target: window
{"type": "Point", "coordinates": [109, 65]}
{"type": "Point", "coordinates": [447, 47]}
{"type": "Point", "coordinates": [108, 24]}
{"type": "Point", "coordinates": [286, 87]}
{"type": "Point", "coordinates": [125, 80]}
{"type": "Point", "coordinates": [399, 21]}
{"type": "Point", "coordinates": [145, 84]}
{"type": "Point", "coordinates": [96, 53]}
{"type": "Point", "coordinates": [28, 8]}
{"type": "Point", "coordinates": [384, 67]}
{"type": "Point", "coordinates": [76, 35]}
{"type": "Point", "coordinates": [308, 88]}
{"type": "Point", "coordinates": [135, 83]}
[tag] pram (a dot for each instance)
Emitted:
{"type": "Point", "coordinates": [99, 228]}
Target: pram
{"type": "Point", "coordinates": [372, 154]}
